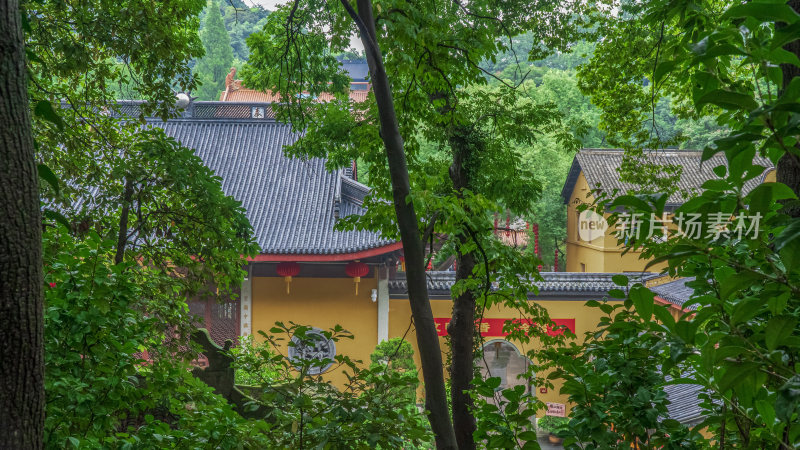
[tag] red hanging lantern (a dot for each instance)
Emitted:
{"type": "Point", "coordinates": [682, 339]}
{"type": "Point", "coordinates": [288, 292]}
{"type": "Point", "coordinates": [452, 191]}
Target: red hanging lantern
{"type": "Point", "coordinates": [536, 239]}
{"type": "Point", "coordinates": [288, 270]}
{"type": "Point", "coordinates": [356, 269]}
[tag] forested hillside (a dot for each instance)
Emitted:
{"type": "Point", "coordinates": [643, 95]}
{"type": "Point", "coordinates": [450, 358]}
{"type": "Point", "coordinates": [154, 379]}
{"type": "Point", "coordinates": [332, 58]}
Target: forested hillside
{"type": "Point", "coordinates": [224, 27]}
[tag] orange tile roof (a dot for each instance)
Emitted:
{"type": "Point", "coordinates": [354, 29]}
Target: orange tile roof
{"type": "Point", "coordinates": [238, 93]}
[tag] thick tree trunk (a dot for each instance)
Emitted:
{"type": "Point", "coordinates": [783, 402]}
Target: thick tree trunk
{"type": "Point", "coordinates": [788, 170]}
{"type": "Point", "coordinates": [21, 358]}
{"type": "Point", "coordinates": [427, 338]}
{"type": "Point", "coordinates": [462, 324]}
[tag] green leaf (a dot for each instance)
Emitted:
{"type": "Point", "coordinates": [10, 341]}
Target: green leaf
{"type": "Point", "coordinates": [527, 436]}
{"type": "Point", "coordinates": [746, 309]}
{"type": "Point", "coordinates": [727, 100]}
{"type": "Point", "coordinates": [663, 68]}
{"type": "Point", "coordinates": [735, 374]}
{"type": "Point", "coordinates": [765, 12]}
{"type": "Point", "coordinates": [57, 217]}
{"type": "Point", "coordinates": [788, 235]}
{"type": "Point", "coordinates": [662, 313]}
{"type": "Point", "coordinates": [767, 412]}
{"type": "Point", "coordinates": [616, 293]}
{"type": "Point", "coordinates": [643, 301]}
{"type": "Point", "coordinates": [493, 382]}
{"type": "Point", "coordinates": [620, 280]}
{"type": "Point", "coordinates": [44, 109]}
{"type": "Point", "coordinates": [47, 175]}
{"type": "Point", "coordinates": [777, 330]}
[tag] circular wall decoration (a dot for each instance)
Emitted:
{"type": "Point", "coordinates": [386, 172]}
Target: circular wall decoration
{"type": "Point", "coordinates": [316, 346]}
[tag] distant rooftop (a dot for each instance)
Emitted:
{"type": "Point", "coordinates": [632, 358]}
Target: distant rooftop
{"type": "Point", "coordinates": [235, 91]}
{"type": "Point", "coordinates": [600, 167]}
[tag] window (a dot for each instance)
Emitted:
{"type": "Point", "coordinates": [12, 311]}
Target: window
{"type": "Point", "coordinates": [583, 267]}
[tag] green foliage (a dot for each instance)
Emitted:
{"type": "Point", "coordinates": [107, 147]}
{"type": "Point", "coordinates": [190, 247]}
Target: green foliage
{"type": "Point", "coordinates": [100, 391]}
{"type": "Point", "coordinates": [741, 344]}
{"type": "Point", "coordinates": [553, 424]}
{"type": "Point", "coordinates": [614, 381]}
{"type": "Point", "coordinates": [397, 355]}
{"type": "Point", "coordinates": [241, 22]}
{"type": "Point", "coordinates": [179, 215]}
{"type": "Point", "coordinates": [249, 357]}
{"type": "Point", "coordinates": [73, 57]}
{"type": "Point", "coordinates": [306, 411]}
{"type": "Point", "coordinates": [118, 287]}
{"type": "Point", "coordinates": [216, 63]}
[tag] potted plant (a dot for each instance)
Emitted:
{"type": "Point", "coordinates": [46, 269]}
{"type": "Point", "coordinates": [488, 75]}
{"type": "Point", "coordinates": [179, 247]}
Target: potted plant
{"type": "Point", "coordinates": [553, 426]}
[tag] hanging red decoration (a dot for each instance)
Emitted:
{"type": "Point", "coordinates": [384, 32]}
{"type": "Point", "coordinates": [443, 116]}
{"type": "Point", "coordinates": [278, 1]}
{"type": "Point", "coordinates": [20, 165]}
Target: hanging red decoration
{"type": "Point", "coordinates": [536, 239]}
{"type": "Point", "coordinates": [555, 261]}
{"type": "Point", "coordinates": [356, 269]}
{"type": "Point", "coordinates": [402, 264]}
{"type": "Point", "coordinates": [288, 270]}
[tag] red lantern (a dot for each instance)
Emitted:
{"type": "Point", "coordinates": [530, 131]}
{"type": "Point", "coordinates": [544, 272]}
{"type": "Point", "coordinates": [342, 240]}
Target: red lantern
{"type": "Point", "coordinates": [356, 269]}
{"type": "Point", "coordinates": [288, 270]}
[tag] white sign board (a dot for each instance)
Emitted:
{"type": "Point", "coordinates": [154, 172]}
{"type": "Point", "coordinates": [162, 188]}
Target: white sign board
{"type": "Point", "coordinates": [556, 409]}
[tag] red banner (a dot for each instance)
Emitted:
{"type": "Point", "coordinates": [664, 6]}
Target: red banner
{"type": "Point", "coordinates": [494, 327]}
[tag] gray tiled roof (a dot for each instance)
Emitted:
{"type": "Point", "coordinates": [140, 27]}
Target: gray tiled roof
{"type": "Point", "coordinates": [574, 283]}
{"type": "Point", "coordinates": [292, 204]}
{"type": "Point", "coordinates": [676, 292]}
{"type": "Point", "coordinates": [684, 404]}
{"type": "Point", "coordinates": [599, 166]}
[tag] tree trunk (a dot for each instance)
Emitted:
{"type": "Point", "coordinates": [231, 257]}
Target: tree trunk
{"type": "Point", "coordinates": [427, 338]}
{"type": "Point", "coordinates": [462, 324]}
{"type": "Point", "coordinates": [122, 236]}
{"type": "Point", "coordinates": [788, 170]}
{"type": "Point", "coordinates": [21, 356]}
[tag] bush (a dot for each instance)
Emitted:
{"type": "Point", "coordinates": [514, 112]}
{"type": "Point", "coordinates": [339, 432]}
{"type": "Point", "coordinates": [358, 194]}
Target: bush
{"type": "Point", "coordinates": [100, 390]}
{"type": "Point", "coordinates": [553, 424]}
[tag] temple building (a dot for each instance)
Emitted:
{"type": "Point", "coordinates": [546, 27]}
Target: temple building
{"type": "Point", "coordinates": [591, 245]}
{"type": "Point", "coordinates": [309, 273]}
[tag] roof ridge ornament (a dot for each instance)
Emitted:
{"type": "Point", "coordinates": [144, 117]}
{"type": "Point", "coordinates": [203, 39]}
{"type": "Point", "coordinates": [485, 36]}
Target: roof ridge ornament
{"type": "Point", "coordinates": [337, 194]}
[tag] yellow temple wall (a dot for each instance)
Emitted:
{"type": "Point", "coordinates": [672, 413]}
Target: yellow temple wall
{"type": "Point", "coordinates": [327, 302]}
{"type": "Point", "coordinates": [322, 303]}
{"type": "Point", "coordinates": [586, 319]}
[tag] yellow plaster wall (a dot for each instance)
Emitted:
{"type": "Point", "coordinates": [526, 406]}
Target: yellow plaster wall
{"type": "Point", "coordinates": [586, 319]}
{"type": "Point", "coordinates": [322, 303]}
{"type": "Point", "coordinates": [602, 254]}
